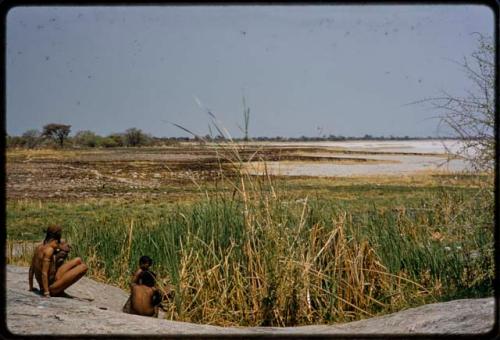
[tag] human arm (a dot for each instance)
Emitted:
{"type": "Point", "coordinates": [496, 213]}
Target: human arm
{"type": "Point", "coordinates": [47, 259]}
{"type": "Point", "coordinates": [30, 279]}
{"type": "Point", "coordinates": [62, 254]}
{"type": "Point", "coordinates": [135, 278]}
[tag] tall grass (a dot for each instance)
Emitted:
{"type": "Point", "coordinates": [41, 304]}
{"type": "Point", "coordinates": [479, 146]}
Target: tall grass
{"type": "Point", "coordinates": [254, 255]}
{"type": "Point", "coordinates": [268, 261]}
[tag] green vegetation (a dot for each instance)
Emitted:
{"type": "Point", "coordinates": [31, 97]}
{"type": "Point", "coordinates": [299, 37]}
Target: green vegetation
{"type": "Point", "coordinates": [57, 136]}
{"type": "Point", "coordinates": [57, 132]}
{"type": "Point", "coordinates": [258, 250]}
{"type": "Point", "coordinates": [282, 253]}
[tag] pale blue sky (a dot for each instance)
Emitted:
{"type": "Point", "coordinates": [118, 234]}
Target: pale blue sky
{"type": "Point", "coordinates": [305, 70]}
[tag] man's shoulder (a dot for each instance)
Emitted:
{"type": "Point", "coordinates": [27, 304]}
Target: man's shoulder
{"type": "Point", "coordinates": [48, 251]}
{"type": "Point", "coordinates": [141, 288]}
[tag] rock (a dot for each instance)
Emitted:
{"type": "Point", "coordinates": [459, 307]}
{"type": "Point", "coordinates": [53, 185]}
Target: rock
{"type": "Point", "coordinates": [96, 309]}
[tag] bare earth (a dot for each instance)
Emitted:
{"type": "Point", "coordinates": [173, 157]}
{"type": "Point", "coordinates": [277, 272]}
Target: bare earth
{"type": "Point", "coordinates": [379, 165]}
{"type": "Point", "coordinates": [96, 309]}
{"type": "Point", "coordinates": [393, 158]}
{"type": "Point", "coordinates": [164, 172]}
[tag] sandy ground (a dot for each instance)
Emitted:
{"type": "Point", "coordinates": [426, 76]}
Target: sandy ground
{"type": "Point", "coordinates": [388, 165]}
{"type": "Point", "coordinates": [74, 174]}
{"type": "Point", "coordinates": [418, 146]}
{"type": "Point", "coordinates": [381, 157]}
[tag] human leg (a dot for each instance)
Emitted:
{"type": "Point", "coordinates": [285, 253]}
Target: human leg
{"type": "Point", "coordinates": [67, 278]}
{"type": "Point", "coordinates": [127, 308]}
{"type": "Point", "coordinates": [67, 266]}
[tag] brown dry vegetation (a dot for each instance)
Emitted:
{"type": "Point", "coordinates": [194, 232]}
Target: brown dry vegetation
{"type": "Point", "coordinates": [144, 172]}
{"type": "Point", "coordinates": [249, 250]}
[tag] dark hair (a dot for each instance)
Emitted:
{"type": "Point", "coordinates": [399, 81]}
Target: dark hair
{"type": "Point", "coordinates": [146, 259]}
{"type": "Point", "coordinates": [147, 278]}
{"type": "Point", "coordinates": [53, 232]}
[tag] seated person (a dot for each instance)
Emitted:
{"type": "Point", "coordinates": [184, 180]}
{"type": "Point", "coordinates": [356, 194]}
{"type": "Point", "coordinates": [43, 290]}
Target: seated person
{"type": "Point", "coordinates": [145, 262]}
{"type": "Point", "coordinates": [144, 296]}
{"type": "Point", "coordinates": [48, 267]}
{"type": "Point", "coordinates": [60, 255]}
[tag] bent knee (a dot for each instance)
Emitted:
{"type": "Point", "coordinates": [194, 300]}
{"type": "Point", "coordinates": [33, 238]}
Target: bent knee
{"type": "Point", "coordinates": [78, 260]}
{"type": "Point", "coordinates": [84, 268]}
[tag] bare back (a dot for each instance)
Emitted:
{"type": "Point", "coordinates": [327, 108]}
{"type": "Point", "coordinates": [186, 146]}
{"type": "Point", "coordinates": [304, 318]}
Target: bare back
{"type": "Point", "coordinates": [42, 261]}
{"type": "Point", "coordinates": [142, 300]}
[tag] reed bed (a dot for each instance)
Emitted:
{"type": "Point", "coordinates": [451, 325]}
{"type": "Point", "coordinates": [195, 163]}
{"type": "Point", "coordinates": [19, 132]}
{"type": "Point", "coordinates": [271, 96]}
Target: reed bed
{"type": "Point", "coordinates": [254, 256]}
{"type": "Point", "coordinates": [268, 261]}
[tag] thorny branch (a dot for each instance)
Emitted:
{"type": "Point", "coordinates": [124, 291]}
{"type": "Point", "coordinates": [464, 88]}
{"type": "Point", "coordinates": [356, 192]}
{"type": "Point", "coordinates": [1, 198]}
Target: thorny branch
{"type": "Point", "coordinates": [471, 117]}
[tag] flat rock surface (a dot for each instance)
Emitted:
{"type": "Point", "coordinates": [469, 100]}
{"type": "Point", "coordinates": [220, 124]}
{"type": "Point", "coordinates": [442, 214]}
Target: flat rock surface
{"type": "Point", "coordinates": [96, 309]}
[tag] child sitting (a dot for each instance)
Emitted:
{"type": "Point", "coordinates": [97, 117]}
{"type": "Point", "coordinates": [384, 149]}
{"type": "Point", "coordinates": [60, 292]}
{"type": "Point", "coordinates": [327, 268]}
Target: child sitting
{"type": "Point", "coordinates": [144, 296]}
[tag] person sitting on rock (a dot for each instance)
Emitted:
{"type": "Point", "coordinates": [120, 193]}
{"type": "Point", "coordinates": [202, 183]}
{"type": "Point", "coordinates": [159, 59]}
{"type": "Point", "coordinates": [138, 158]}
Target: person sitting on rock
{"type": "Point", "coordinates": [145, 262]}
{"type": "Point", "coordinates": [144, 296]}
{"type": "Point", "coordinates": [60, 255]}
{"type": "Point", "coordinates": [48, 267]}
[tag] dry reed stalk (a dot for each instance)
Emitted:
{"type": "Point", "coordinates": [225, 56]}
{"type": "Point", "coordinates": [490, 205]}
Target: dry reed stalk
{"type": "Point", "coordinates": [329, 271]}
{"type": "Point", "coordinates": [97, 269]}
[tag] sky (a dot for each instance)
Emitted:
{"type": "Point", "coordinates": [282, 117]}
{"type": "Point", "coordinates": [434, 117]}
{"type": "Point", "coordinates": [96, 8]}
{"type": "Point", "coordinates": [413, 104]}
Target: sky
{"type": "Point", "coordinates": [304, 70]}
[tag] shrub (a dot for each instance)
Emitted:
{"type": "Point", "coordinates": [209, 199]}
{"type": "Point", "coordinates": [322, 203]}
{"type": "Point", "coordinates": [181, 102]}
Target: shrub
{"type": "Point", "coordinates": [31, 138]}
{"type": "Point", "coordinates": [114, 140]}
{"type": "Point", "coordinates": [135, 137]}
{"type": "Point", "coordinates": [87, 139]}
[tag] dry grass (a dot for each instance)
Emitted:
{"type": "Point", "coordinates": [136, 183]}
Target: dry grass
{"type": "Point", "coordinates": [253, 254]}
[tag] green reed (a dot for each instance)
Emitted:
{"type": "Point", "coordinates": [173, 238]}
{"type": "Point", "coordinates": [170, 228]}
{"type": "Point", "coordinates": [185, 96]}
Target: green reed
{"type": "Point", "coordinates": [264, 260]}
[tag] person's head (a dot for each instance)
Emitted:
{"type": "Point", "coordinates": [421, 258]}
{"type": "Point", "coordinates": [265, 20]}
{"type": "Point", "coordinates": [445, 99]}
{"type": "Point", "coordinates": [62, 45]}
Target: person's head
{"type": "Point", "coordinates": [148, 278]}
{"type": "Point", "coordinates": [64, 246]}
{"type": "Point", "coordinates": [53, 233]}
{"type": "Point", "coordinates": [145, 262]}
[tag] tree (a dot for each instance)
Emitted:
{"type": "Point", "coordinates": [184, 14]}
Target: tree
{"type": "Point", "coordinates": [58, 132]}
{"type": "Point", "coordinates": [87, 138]}
{"type": "Point", "coordinates": [114, 140]}
{"type": "Point", "coordinates": [246, 118]}
{"type": "Point", "coordinates": [135, 137]}
{"type": "Point", "coordinates": [472, 116]}
{"type": "Point", "coordinates": [14, 141]}
{"type": "Point", "coordinates": [31, 138]}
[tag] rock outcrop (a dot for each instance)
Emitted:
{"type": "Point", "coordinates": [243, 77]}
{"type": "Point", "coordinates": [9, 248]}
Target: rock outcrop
{"type": "Point", "coordinates": [96, 309]}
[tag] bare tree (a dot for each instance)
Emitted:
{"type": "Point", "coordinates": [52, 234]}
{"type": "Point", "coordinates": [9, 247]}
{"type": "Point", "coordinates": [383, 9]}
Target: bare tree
{"type": "Point", "coordinates": [246, 118]}
{"type": "Point", "coordinates": [58, 132]}
{"type": "Point", "coordinates": [472, 116]}
{"type": "Point", "coordinates": [31, 138]}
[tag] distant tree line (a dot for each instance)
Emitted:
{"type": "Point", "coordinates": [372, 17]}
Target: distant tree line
{"type": "Point", "coordinates": [58, 135]}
